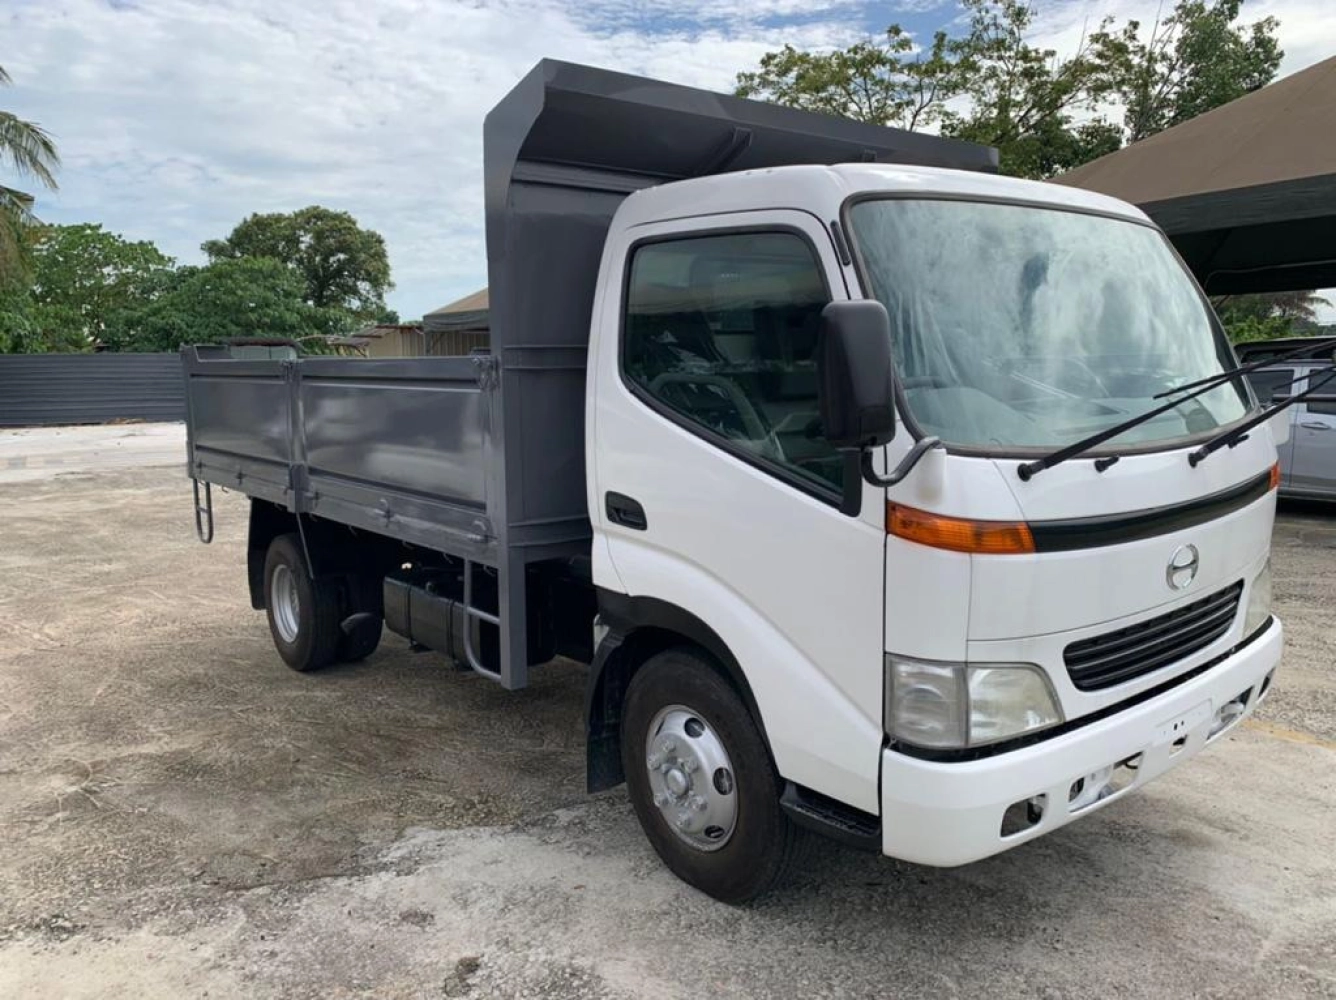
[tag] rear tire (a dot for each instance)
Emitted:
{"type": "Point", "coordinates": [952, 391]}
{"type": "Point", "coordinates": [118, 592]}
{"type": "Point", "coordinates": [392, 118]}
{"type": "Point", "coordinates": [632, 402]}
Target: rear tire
{"type": "Point", "coordinates": [303, 611]}
{"type": "Point", "coordinates": [680, 716]}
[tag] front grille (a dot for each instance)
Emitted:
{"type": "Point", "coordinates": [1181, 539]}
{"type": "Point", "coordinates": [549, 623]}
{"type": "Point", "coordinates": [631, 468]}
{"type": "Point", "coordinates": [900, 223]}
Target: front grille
{"type": "Point", "coordinates": [1138, 649]}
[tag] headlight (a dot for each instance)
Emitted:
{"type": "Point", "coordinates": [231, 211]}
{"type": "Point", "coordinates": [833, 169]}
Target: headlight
{"type": "Point", "coordinates": [1259, 601]}
{"type": "Point", "coordinates": [952, 705]}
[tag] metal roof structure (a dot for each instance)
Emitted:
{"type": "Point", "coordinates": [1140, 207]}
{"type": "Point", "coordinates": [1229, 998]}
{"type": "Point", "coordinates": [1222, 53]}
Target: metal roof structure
{"type": "Point", "coordinates": [1247, 192]}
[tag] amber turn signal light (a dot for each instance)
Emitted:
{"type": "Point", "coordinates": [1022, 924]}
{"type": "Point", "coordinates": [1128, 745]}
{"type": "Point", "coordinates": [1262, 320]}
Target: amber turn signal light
{"type": "Point", "coordinates": [958, 534]}
{"type": "Point", "coordinates": [1275, 477]}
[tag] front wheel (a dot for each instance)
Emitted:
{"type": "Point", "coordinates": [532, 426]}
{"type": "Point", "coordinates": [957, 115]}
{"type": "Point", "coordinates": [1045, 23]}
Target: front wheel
{"type": "Point", "coordinates": [303, 610]}
{"type": "Point", "coordinates": [701, 779]}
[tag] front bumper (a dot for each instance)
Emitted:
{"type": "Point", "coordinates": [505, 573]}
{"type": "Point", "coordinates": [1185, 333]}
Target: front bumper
{"type": "Point", "coordinates": [952, 813]}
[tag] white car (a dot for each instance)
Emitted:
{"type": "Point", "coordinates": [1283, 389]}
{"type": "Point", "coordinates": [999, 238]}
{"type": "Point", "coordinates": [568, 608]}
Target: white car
{"type": "Point", "coordinates": [1308, 458]}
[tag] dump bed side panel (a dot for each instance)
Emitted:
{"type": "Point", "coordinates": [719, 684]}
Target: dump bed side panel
{"type": "Point", "coordinates": [400, 447]}
{"type": "Point", "coordinates": [239, 425]}
{"type": "Point", "coordinates": [418, 427]}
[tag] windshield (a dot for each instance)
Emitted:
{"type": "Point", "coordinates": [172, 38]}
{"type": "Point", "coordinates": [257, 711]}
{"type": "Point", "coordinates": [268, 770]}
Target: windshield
{"type": "Point", "coordinates": [1024, 327]}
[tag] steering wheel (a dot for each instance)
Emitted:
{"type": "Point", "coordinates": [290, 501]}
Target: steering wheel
{"type": "Point", "coordinates": [754, 426]}
{"type": "Point", "coordinates": [925, 382]}
{"type": "Point", "coordinates": [1088, 373]}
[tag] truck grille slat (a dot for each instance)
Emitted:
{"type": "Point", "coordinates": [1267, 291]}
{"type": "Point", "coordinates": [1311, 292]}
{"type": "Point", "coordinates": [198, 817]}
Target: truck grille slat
{"type": "Point", "coordinates": [1132, 653]}
{"type": "Point", "coordinates": [1129, 652]}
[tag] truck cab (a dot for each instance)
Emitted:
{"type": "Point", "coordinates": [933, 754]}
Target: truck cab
{"type": "Point", "coordinates": [972, 658]}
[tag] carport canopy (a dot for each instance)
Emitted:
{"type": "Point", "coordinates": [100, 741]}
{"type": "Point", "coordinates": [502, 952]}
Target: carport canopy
{"type": "Point", "coordinates": [1247, 192]}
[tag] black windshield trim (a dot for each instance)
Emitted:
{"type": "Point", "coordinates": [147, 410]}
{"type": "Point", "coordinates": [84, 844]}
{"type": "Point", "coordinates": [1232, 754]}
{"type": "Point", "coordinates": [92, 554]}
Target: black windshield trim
{"type": "Point", "coordinates": [1115, 529]}
{"type": "Point", "coordinates": [1030, 452]}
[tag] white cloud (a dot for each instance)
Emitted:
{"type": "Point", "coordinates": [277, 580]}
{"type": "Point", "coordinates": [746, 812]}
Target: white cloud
{"type": "Point", "coordinates": [178, 118]}
{"type": "Point", "coordinates": [1307, 29]}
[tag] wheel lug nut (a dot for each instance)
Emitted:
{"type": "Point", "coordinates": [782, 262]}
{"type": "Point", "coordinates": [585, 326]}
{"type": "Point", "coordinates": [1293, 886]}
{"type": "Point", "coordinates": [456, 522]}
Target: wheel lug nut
{"type": "Point", "coordinates": [661, 800]}
{"type": "Point", "coordinates": [697, 803]}
{"type": "Point", "coordinates": [689, 765]}
{"type": "Point", "coordinates": [654, 761]}
{"type": "Point", "coordinates": [669, 746]}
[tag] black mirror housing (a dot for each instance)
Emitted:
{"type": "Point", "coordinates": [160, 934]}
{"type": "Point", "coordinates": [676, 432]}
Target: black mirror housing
{"type": "Point", "coordinates": [855, 372]}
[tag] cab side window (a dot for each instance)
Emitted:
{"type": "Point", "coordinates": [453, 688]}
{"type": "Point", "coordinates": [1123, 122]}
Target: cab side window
{"type": "Point", "coordinates": [721, 335]}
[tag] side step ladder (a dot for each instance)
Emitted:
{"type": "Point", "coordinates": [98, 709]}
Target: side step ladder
{"type": "Point", "coordinates": [203, 512]}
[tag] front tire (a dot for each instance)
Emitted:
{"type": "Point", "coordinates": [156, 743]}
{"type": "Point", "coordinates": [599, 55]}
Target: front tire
{"type": "Point", "coordinates": [303, 610]}
{"type": "Point", "coordinates": [701, 779]}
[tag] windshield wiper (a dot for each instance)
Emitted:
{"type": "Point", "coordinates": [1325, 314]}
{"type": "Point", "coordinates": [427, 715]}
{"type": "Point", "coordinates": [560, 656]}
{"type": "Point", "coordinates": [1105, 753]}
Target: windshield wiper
{"type": "Point", "coordinates": [1200, 387]}
{"type": "Point", "coordinates": [1235, 435]}
{"type": "Point", "coordinates": [1250, 367]}
{"type": "Point", "coordinates": [1028, 469]}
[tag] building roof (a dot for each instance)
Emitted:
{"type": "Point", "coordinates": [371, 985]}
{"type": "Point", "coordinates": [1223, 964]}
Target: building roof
{"type": "Point", "coordinates": [1247, 191]}
{"type": "Point", "coordinates": [381, 329]}
{"type": "Point", "coordinates": [468, 313]}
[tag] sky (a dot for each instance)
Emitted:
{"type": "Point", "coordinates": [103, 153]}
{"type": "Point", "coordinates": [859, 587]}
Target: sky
{"type": "Point", "coordinates": [178, 118]}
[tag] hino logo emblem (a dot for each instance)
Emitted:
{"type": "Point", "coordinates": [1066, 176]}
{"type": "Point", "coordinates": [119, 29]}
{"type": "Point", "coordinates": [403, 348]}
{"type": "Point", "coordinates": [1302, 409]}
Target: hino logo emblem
{"type": "Point", "coordinates": [1183, 567]}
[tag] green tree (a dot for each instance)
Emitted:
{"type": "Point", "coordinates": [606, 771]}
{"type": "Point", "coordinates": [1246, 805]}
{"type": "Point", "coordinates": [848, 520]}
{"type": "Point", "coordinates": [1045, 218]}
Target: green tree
{"type": "Point", "coordinates": [83, 281]}
{"type": "Point", "coordinates": [882, 81]}
{"type": "Point", "coordinates": [31, 153]}
{"type": "Point", "coordinates": [1194, 60]}
{"type": "Point", "coordinates": [1040, 109]}
{"type": "Point", "coordinates": [1030, 104]}
{"type": "Point", "coordinates": [1034, 106]}
{"type": "Point", "coordinates": [340, 265]}
{"type": "Point", "coordinates": [228, 299]}
{"type": "Point", "coordinates": [17, 332]}
{"type": "Point", "coordinates": [1268, 316]}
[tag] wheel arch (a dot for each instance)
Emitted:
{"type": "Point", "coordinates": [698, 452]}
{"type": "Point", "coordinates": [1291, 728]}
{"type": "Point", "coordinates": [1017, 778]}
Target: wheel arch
{"type": "Point", "coordinates": [329, 548]}
{"type": "Point", "coordinates": [267, 522]}
{"type": "Point", "coordinates": [637, 629]}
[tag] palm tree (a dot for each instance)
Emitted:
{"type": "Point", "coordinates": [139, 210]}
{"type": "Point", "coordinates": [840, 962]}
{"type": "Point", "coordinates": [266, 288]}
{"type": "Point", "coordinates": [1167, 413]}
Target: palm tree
{"type": "Point", "coordinates": [29, 149]}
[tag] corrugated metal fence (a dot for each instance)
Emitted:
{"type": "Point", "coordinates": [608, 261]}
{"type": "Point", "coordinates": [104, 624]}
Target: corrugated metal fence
{"type": "Point", "coordinates": [89, 388]}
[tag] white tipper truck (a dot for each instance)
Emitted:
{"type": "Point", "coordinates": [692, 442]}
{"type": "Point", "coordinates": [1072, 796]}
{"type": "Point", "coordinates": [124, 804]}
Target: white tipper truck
{"type": "Point", "coordinates": [886, 497]}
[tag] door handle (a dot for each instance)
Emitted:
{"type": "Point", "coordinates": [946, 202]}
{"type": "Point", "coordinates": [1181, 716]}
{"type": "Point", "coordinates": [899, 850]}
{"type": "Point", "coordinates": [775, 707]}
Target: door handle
{"type": "Point", "coordinates": [1315, 425]}
{"type": "Point", "coordinates": [626, 511]}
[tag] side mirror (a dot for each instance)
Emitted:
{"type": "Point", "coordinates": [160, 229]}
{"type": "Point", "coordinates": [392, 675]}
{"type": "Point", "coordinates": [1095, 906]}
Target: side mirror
{"type": "Point", "coordinates": [855, 377]}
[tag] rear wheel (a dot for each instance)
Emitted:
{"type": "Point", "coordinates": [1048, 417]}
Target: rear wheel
{"type": "Point", "coordinates": [303, 610]}
{"type": "Point", "coordinates": [701, 779]}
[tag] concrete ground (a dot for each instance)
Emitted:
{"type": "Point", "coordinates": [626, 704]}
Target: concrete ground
{"type": "Point", "coordinates": [33, 453]}
{"type": "Point", "coordinates": [182, 816]}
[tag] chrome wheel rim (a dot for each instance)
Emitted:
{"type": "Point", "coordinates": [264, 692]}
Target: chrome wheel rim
{"type": "Point", "coordinates": [691, 778]}
{"type": "Point", "coordinates": [286, 605]}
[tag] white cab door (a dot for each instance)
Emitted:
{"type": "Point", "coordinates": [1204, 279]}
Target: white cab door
{"type": "Point", "coordinates": [714, 491]}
